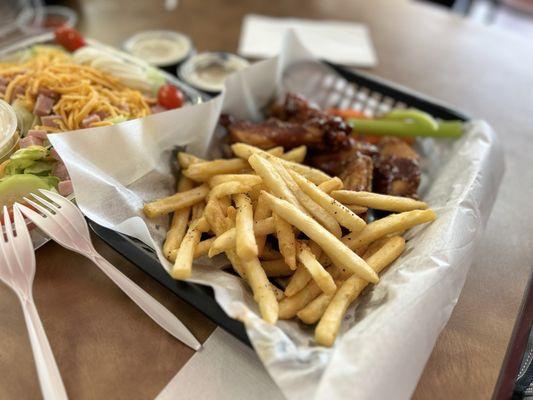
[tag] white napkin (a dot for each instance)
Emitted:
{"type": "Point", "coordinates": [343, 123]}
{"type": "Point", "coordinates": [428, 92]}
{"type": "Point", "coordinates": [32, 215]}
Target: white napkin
{"type": "Point", "coordinates": [344, 43]}
{"type": "Point", "coordinates": [224, 369]}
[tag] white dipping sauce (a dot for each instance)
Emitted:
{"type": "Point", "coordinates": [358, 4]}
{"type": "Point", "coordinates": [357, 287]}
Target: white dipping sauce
{"type": "Point", "coordinates": [159, 48]}
{"type": "Point", "coordinates": [8, 127]}
{"type": "Point", "coordinates": [208, 71]}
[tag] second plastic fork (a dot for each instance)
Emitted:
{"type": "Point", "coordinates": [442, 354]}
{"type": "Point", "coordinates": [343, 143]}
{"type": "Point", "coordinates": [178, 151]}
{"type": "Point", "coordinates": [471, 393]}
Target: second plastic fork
{"type": "Point", "coordinates": [17, 270]}
{"type": "Point", "coordinates": [65, 224]}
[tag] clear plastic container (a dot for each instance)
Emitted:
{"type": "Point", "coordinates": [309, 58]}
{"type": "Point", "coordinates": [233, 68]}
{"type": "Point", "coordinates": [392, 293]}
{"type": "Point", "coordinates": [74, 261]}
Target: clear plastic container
{"type": "Point", "coordinates": [208, 71]}
{"type": "Point", "coordinates": [160, 48]}
{"type": "Point", "coordinates": [14, 16]}
{"type": "Point", "coordinates": [8, 131]}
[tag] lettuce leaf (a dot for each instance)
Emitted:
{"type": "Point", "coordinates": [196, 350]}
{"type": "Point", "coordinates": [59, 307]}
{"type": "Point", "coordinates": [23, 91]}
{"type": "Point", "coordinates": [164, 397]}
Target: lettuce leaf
{"type": "Point", "coordinates": [42, 168]}
{"type": "Point", "coordinates": [118, 119]}
{"type": "Point", "coordinates": [25, 119]}
{"type": "Point", "coordinates": [30, 153]}
{"type": "Point", "coordinates": [15, 187]}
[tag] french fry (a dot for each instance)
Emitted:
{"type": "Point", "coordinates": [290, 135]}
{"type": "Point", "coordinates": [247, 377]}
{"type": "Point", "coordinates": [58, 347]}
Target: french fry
{"type": "Point", "coordinates": [298, 281]}
{"type": "Point", "coordinates": [373, 247]}
{"type": "Point", "coordinates": [331, 185]}
{"type": "Point", "coordinates": [203, 247]}
{"type": "Point", "coordinates": [245, 151]}
{"type": "Point", "coordinates": [388, 225]}
{"type": "Point", "coordinates": [276, 268]}
{"type": "Point", "coordinates": [215, 217]}
{"type": "Point", "coordinates": [183, 265]}
{"type": "Point", "coordinates": [203, 171]}
{"type": "Point", "coordinates": [319, 213]}
{"type": "Point", "coordinates": [202, 225]}
{"type": "Point", "coordinates": [343, 215]}
{"type": "Point", "coordinates": [263, 293]}
{"type": "Point", "coordinates": [322, 278]}
{"type": "Point", "coordinates": [356, 209]}
{"type": "Point", "coordinates": [272, 180]}
{"type": "Point", "coordinates": [278, 293]}
{"type": "Point", "coordinates": [245, 244]}
{"type": "Point", "coordinates": [312, 312]}
{"type": "Point", "coordinates": [339, 253]}
{"type": "Point", "coordinates": [286, 240]}
{"type": "Point", "coordinates": [176, 202]}
{"type": "Point", "coordinates": [276, 151]}
{"type": "Point", "coordinates": [231, 213]}
{"type": "Point", "coordinates": [296, 155]}
{"type": "Point", "coordinates": [261, 212]}
{"type": "Point", "coordinates": [327, 329]}
{"type": "Point", "coordinates": [378, 201]}
{"type": "Point", "coordinates": [180, 219]}
{"type": "Point", "coordinates": [185, 160]}
{"type": "Point", "coordinates": [245, 179]}
{"type": "Point", "coordinates": [289, 306]}
{"type": "Point", "coordinates": [219, 224]}
{"type": "Point", "coordinates": [228, 189]}
{"type": "Point", "coordinates": [226, 241]}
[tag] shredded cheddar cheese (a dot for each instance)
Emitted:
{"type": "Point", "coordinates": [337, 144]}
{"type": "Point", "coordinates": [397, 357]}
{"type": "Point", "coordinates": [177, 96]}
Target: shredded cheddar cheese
{"type": "Point", "coordinates": [82, 90]}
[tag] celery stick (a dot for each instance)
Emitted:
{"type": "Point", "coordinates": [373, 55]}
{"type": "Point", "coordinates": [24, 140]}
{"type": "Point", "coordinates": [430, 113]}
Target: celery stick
{"type": "Point", "coordinates": [397, 128]}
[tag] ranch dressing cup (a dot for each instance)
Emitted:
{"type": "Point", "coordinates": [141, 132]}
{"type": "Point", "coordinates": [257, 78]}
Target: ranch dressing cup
{"type": "Point", "coordinates": [160, 48]}
{"type": "Point", "coordinates": [8, 131]}
{"type": "Point", "coordinates": [208, 71]}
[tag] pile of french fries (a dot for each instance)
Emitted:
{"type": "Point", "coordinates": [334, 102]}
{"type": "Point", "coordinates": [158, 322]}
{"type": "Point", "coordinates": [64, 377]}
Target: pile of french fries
{"type": "Point", "coordinates": [274, 217]}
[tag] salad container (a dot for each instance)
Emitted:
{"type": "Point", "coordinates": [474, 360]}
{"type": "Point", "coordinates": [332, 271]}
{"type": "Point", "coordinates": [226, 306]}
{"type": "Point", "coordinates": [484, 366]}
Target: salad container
{"type": "Point", "coordinates": [153, 77]}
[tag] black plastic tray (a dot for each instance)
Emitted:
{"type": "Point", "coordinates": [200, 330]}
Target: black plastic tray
{"type": "Point", "coordinates": [201, 297]}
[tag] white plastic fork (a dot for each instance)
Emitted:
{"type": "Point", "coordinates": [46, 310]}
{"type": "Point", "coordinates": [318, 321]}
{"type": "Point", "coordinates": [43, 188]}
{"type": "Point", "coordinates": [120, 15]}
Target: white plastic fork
{"type": "Point", "coordinates": [65, 224]}
{"type": "Point", "coordinates": [17, 270]}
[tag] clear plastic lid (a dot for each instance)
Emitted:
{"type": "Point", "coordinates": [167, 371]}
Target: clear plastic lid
{"type": "Point", "coordinates": [8, 129]}
{"type": "Point", "coordinates": [159, 47]}
{"type": "Point", "coordinates": [208, 71]}
{"type": "Point", "coordinates": [23, 18]}
{"type": "Point", "coordinates": [15, 14]}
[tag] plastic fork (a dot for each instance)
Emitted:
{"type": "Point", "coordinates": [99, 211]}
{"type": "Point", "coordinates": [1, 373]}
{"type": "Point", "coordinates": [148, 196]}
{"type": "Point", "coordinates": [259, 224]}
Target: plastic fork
{"type": "Point", "coordinates": [17, 270]}
{"type": "Point", "coordinates": [65, 224]}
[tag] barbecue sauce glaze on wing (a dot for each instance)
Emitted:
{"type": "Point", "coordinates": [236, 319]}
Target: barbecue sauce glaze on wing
{"type": "Point", "coordinates": [390, 168]}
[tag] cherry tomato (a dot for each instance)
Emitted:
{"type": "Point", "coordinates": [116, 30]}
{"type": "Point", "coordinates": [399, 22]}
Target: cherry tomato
{"type": "Point", "coordinates": [69, 38]}
{"type": "Point", "coordinates": [169, 96]}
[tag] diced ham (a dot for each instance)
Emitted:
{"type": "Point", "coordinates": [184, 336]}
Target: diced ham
{"type": "Point", "coordinates": [17, 91]}
{"type": "Point", "coordinates": [50, 120]}
{"type": "Point", "coordinates": [30, 141]}
{"type": "Point", "coordinates": [102, 114]}
{"type": "Point", "coordinates": [54, 154]}
{"type": "Point", "coordinates": [65, 187]}
{"type": "Point", "coordinates": [49, 93]}
{"type": "Point", "coordinates": [87, 121]}
{"type": "Point", "coordinates": [43, 105]}
{"type": "Point", "coordinates": [157, 109]}
{"type": "Point", "coordinates": [37, 133]}
{"type": "Point", "coordinates": [60, 171]}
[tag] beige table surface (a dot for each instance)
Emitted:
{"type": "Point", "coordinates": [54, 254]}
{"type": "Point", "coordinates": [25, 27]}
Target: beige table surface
{"type": "Point", "coordinates": [107, 348]}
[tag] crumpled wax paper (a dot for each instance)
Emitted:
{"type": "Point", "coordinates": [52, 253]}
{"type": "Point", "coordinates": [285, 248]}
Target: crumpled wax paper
{"type": "Point", "coordinates": [388, 335]}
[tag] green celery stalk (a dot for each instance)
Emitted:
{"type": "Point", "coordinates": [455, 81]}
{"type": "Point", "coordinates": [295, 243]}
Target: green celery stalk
{"type": "Point", "coordinates": [402, 128]}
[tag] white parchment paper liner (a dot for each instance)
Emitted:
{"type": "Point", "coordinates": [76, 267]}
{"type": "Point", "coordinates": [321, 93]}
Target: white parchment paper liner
{"type": "Point", "coordinates": [388, 336]}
